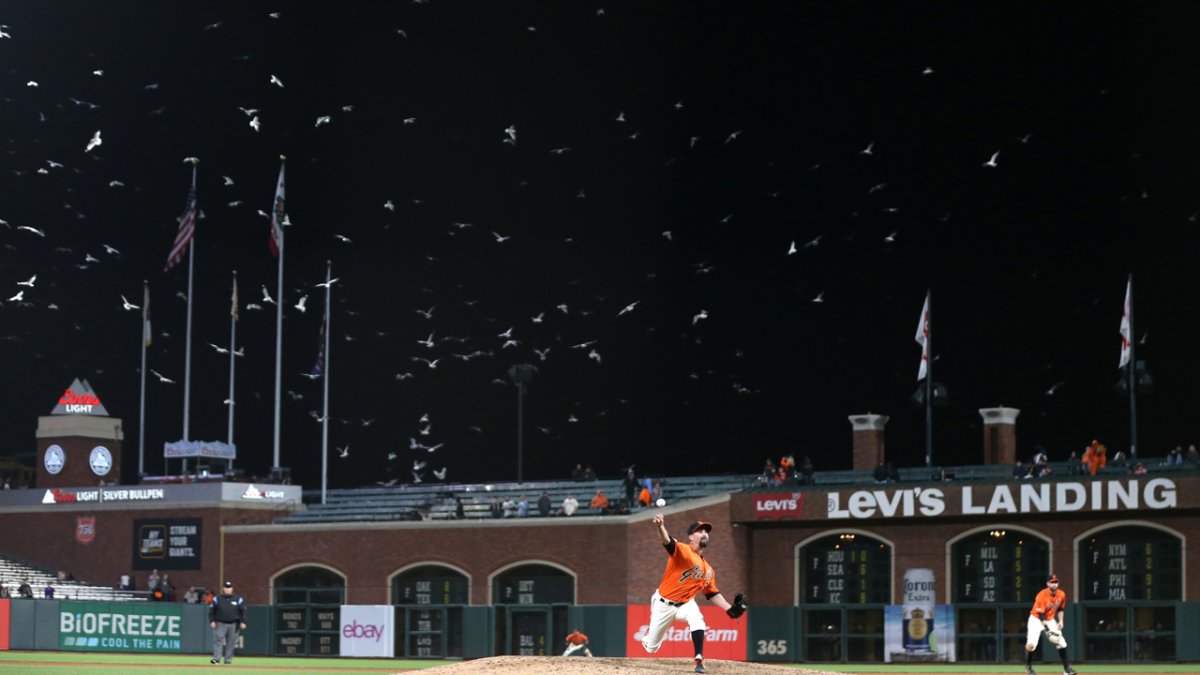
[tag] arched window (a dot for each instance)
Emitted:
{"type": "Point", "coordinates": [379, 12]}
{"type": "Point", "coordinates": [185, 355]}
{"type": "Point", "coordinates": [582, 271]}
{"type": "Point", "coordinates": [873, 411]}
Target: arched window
{"type": "Point", "coordinates": [847, 568]}
{"type": "Point", "coordinates": [533, 584]}
{"type": "Point", "coordinates": [1000, 564]}
{"type": "Point", "coordinates": [1131, 562]}
{"type": "Point", "coordinates": [430, 585]}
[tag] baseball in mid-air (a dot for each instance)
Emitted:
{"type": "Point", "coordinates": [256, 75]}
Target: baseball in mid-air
{"type": "Point", "coordinates": [661, 502]}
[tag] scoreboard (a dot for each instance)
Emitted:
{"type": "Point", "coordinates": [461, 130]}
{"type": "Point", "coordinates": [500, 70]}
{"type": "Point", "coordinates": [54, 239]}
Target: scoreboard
{"type": "Point", "coordinates": [847, 569]}
{"type": "Point", "coordinates": [1000, 566]}
{"type": "Point", "coordinates": [442, 590]}
{"type": "Point", "coordinates": [1132, 563]}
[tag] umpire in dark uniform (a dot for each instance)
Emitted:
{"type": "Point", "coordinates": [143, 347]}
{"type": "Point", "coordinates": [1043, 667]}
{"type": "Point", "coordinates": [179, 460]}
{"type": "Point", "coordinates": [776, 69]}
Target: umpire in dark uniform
{"type": "Point", "coordinates": [227, 614]}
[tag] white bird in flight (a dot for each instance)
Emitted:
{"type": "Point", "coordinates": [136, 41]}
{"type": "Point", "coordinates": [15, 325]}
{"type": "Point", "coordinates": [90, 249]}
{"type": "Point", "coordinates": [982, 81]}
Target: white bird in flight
{"type": "Point", "coordinates": [267, 296]}
{"type": "Point", "coordinates": [702, 315]}
{"type": "Point", "coordinates": [300, 306]}
{"type": "Point", "coordinates": [595, 355]}
{"type": "Point", "coordinates": [40, 233]}
{"type": "Point", "coordinates": [161, 377]}
{"type": "Point", "coordinates": [323, 119]}
{"type": "Point", "coordinates": [792, 248]}
{"type": "Point", "coordinates": [992, 162]}
{"type": "Point", "coordinates": [628, 308]}
{"type": "Point", "coordinates": [820, 297]}
{"type": "Point", "coordinates": [343, 453]}
{"type": "Point", "coordinates": [18, 297]}
{"type": "Point", "coordinates": [389, 205]}
{"type": "Point", "coordinates": [220, 350]}
{"type": "Point", "coordinates": [500, 239]}
{"type": "Point", "coordinates": [869, 150]}
{"type": "Point", "coordinates": [329, 283]}
{"type": "Point", "coordinates": [441, 475]}
{"type": "Point", "coordinates": [228, 181]}
{"type": "Point", "coordinates": [28, 283]}
{"type": "Point", "coordinates": [255, 124]}
{"type": "Point", "coordinates": [891, 238]}
{"type": "Point", "coordinates": [125, 304]}
{"type": "Point", "coordinates": [94, 142]}
{"type": "Point", "coordinates": [428, 342]}
{"type": "Point", "coordinates": [276, 80]}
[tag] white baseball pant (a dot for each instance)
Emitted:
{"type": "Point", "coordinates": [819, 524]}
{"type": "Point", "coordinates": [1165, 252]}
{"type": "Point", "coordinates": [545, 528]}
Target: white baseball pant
{"type": "Point", "coordinates": [663, 614]}
{"type": "Point", "coordinates": [1034, 631]}
{"type": "Point", "coordinates": [574, 648]}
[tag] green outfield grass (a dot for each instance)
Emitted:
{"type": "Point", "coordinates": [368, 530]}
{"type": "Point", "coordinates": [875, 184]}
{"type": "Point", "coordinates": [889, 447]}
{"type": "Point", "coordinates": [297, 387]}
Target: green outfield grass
{"type": "Point", "coordinates": [118, 664]}
{"type": "Point", "coordinates": [75, 663]}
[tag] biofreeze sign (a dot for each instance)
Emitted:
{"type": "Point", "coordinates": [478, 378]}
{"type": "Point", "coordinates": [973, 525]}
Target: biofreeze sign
{"type": "Point", "coordinates": [1064, 497]}
{"type": "Point", "coordinates": [111, 627]}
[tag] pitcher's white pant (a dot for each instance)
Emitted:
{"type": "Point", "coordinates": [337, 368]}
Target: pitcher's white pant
{"type": "Point", "coordinates": [663, 614]}
{"type": "Point", "coordinates": [574, 648]}
{"type": "Point", "coordinates": [1034, 630]}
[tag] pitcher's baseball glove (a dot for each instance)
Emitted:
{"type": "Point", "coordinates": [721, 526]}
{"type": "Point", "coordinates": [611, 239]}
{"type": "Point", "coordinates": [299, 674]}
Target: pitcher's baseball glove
{"type": "Point", "coordinates": [738, 607]}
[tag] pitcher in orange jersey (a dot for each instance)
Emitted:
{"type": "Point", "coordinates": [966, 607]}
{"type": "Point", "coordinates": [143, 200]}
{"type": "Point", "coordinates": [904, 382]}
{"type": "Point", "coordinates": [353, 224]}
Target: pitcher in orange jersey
{"type": "Point", "coordinates": [1047, 616]}
{"type": "Point", "coordinates": [687, 574]}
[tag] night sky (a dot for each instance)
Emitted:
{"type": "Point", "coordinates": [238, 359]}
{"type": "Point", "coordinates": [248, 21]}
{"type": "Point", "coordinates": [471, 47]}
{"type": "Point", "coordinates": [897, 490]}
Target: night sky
{"type": "Point", "coordinates": [666, 157]}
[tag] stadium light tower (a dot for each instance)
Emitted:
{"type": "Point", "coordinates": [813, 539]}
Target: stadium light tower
{"type": "Point", "coordinates": [520, 374]}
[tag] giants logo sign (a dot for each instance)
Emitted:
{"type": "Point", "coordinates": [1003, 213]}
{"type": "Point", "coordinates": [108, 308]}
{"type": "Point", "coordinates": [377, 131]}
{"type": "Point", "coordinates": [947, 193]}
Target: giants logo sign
{"type": "Point", "coordinates": [724, 639]}
{"type": "Point", "coordinates": [85, 529]}
{"type": "Point", "coordinates": [777, 505]}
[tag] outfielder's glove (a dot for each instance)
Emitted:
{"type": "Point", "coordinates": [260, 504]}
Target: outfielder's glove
{"type": "Point", "coordinates": [738, 607]}
{"type": "Point", "coordinates": [1053, 632]}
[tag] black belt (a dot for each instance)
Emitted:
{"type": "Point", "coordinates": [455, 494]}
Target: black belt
{"type": "Point", "coordinates": [673, 604]}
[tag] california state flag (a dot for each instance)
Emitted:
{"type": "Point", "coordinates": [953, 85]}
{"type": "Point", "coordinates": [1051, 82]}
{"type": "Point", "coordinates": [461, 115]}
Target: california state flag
{"type": "Point", "coordinates": [923, 339]}
{"type": "Point", "coordinates": [1126, 317]}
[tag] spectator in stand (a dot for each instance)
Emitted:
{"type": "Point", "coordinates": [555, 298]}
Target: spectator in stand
{"type": "Point", "coordinates": [1020, 470]}
{"type": "Point", "coordinates": [48, 591]}
{"type": "Point", "coordinates": [570, 505]}
{"type": "Point", "coordinates": [768, 473]}
{"type": "Point", "coordinates": [644, 498]}
{"type": "Point", "coordinates": [125, 583]}
{"type": "Point", "coordinates": [806, 471]}
{"type": "Point", "coordinates": [577, 472]}
{"type": "Point", "coordinates": [1095, 457]}
{"type": "Point", "coordinates": [509, 506]}
{"type": "Point", "coordinates": [656, 492]}
{"type": "Point", "coordinates": [589, 473]}
{"type": "Point", "coordinates": [788, 464]}
{"type": "Point", "coordinates": [522, 507]}
{"type": "Point", "coordinates": [544, 504]}
{"type": "Point", "coordinates": [599, 501]}
{"type": "Point", "coordinates": [495, 508]}
{"type": "Point", "coordinates": [4, 590]}
{"type": "Point", "coordinates": [881, 473]}
{"type": "Point", "coordinates": [1039, 455]}
{"type": "Point", "coordinates": [191, 597]}
{"type": "Point", "coordinates": [631, 484]}
{"type": "Point", "coordinates": [152, 581]}
{"type": "Point", "coordinates": [1175, 456]}
{"type": "Point", "coordinates": [1041, 470]}
{"type": "Point", "coordinates": [460, 511]}
{"type": "Point", "coordinates": [24, 590]}
{"type": "Point", "coordinates": [1192, 458]}
{"type": "Point", "coordinates": [207, 598]}
{"type": "Point", "coordinates": [1138, 469]}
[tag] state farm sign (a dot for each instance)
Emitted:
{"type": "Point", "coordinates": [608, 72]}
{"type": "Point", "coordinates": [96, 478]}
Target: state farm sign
{"type": "Point", "coordinates": [775, 505]}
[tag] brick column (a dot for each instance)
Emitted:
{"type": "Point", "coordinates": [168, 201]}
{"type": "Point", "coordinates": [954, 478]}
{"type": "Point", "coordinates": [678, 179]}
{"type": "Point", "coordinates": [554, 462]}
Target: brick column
{"type": "Point", "coordinates": [999, 435]}
{"type": "Point", "coordinates": [868, 440]}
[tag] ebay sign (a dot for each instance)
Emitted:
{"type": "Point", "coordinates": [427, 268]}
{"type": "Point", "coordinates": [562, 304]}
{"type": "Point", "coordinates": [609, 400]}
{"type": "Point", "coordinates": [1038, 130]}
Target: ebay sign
{"type": "Point", "coordinates": [368, 630]}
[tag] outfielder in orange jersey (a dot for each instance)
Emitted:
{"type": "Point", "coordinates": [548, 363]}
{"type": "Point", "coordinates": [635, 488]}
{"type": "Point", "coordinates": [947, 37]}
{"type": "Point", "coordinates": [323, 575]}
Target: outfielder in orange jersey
{"type": "Point", "coordinates": [577, 641]}
{"type": "Point", "coordinates": [687, 574]}
{"type": "Point", "coordinates": [1047, 616]}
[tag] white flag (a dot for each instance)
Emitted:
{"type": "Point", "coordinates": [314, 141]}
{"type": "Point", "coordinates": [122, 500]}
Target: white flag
{"type": "Point", "coordinates": [923, 339]}
{"type": "Point", "coordinates": [1126, 316]}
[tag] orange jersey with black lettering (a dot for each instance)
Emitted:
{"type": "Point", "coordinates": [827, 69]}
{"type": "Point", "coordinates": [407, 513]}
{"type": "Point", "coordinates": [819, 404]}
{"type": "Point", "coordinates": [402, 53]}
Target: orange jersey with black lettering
{"type": "Point", "coordinates": [1046, 605]}
{"type": "Point", "coordinates": [577, 638]}
{"type": "Point", "coordinates": [687, 574]}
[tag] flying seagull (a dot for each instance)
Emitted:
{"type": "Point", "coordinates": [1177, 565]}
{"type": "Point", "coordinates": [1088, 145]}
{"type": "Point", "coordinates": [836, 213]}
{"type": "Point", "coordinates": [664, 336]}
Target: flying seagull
{"type": "Point", "coordinates": [992, 162]}
{"type": "Point", "coordinates": [161, 378]}
{"type": "Point", "coordinates": [94, 142]}
{"type": "Point", "coordinates": [125, 304]}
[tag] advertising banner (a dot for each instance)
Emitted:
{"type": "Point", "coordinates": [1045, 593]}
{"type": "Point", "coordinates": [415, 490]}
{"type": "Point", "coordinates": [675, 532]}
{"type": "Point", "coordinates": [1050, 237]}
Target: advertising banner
{"type": "Point", "coordinates": [778, 505]}
{"type": "Point", "coordinates": [935, 635]}
{"type": "Point", "coordinates": [725, 638]}
{"type": "Point", "coordinates": [5, 617]}
{"type": "Point", "coordinates": [368, 630]}
{"type": "Point", "coordinates": [119, 627]}
{"type": "Point", "coordinates": [166, 544]}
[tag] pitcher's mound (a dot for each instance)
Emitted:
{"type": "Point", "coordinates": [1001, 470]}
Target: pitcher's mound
{"type": "Point", "coordinates": [577, 665]}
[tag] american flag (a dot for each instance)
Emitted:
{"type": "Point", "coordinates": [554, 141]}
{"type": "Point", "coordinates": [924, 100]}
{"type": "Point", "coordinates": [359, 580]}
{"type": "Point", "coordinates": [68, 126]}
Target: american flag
{"type": "Point", "coordinates": [187, 230]}
{"type": "Point", "coordinates": [277, 217]}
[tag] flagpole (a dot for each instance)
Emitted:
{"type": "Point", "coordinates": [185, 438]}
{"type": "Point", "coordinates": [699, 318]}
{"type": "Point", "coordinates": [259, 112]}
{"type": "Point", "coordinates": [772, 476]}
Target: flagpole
{"type": "Point", "coordinates": [187, 350]}
{"type": "Point", "coordinates": [325, 377]}
{"type": "Point", "coordinates": [142, 402]}
{"type": "Point", "coordinates": [233, 317]}
{"type": "Point", "coordinates": [929, 381]}
{"type": "Point", "coordinates": [1132, 375]}
{"type": "Point", "coordinates": [278, 325]}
